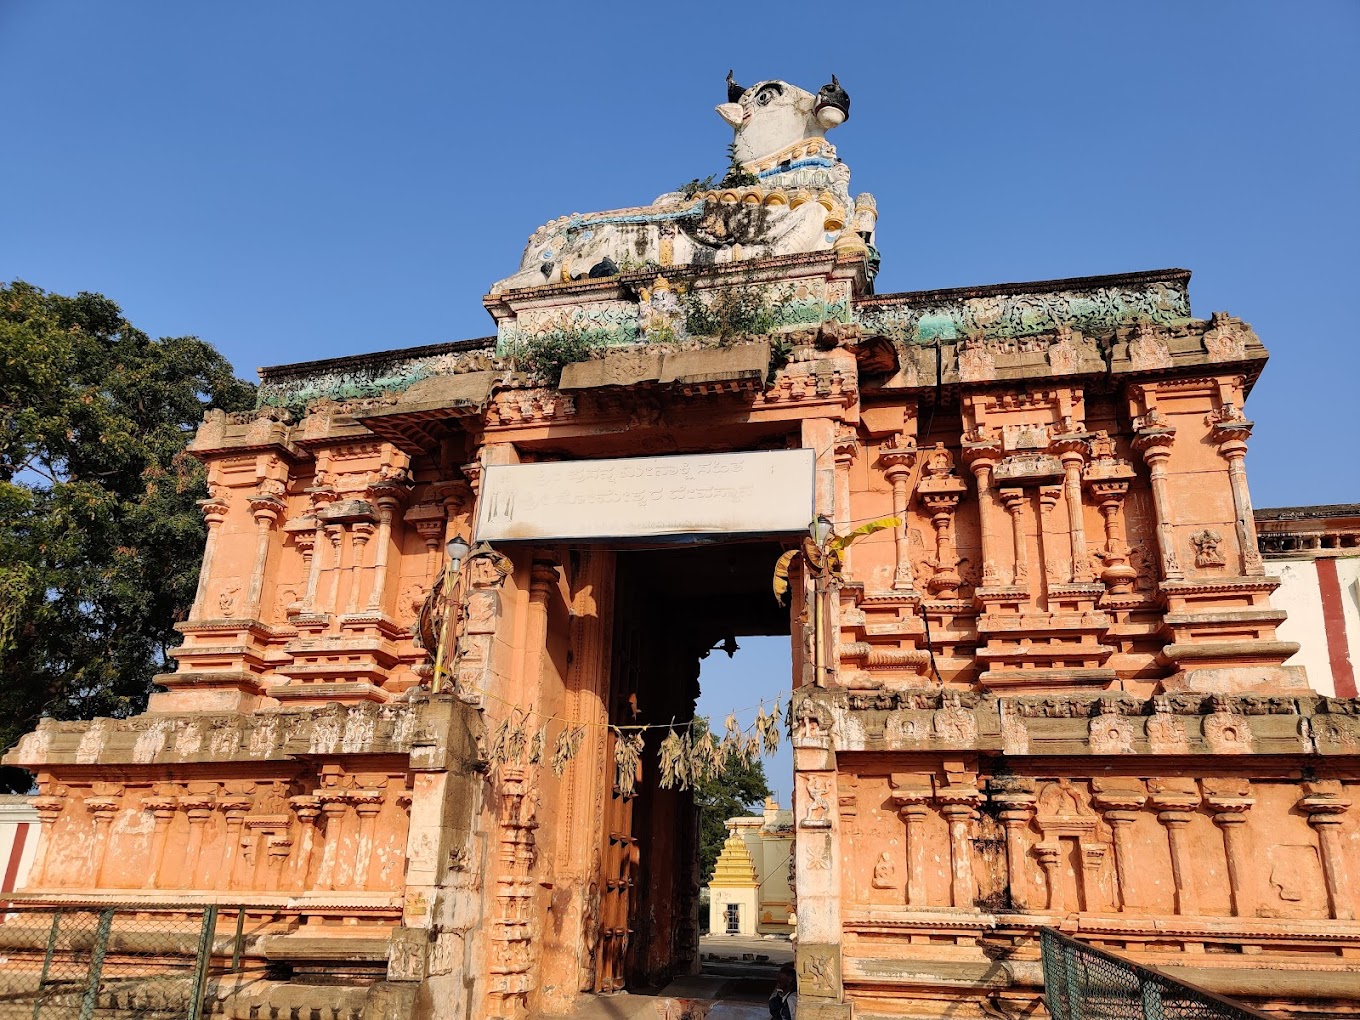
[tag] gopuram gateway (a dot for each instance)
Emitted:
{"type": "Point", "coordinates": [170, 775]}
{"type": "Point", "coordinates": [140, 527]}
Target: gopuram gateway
{"type": "Point", "coordinates": [444, 586]}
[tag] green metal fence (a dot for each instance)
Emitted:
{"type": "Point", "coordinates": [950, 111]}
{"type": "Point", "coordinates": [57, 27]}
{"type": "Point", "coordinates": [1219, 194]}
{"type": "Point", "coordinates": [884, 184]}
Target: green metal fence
{"type": "Point", "coordinates": [1085, 983]}
{"type": "Point", "coordinates": [102, 963]}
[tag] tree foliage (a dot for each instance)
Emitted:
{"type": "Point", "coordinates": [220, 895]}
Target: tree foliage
{"type": "Point", "coordinates": [739, 789]}
{"type": "Point", "coordinates": [100, 537]}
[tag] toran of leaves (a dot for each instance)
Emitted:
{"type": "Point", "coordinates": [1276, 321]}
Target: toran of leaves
{"type": "Point", "coordinates": [689, 754]}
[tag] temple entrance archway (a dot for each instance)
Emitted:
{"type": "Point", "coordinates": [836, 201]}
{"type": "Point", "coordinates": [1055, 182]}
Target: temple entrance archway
{"type": "Point", "coordinates": [671, 607]}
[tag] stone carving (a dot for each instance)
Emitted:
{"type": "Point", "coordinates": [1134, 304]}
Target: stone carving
{"type": "Point", "coordinates": [226, 600]}
{"type": "Point", "coordinates": [953, 724]}
{"type": "Point", "coordinates": [795, 198]}
{"type": "Point", "coordinates": [1226, 339]}
{"type": "Point", "coordinates": [1166, 734]}
{"type": "Point", "coordinates": [406, 954]}
{"type": "Point", "coordinates": [1147, 349]}
{"type": "Point", "coordinates": [817, 816]}
{"type": "Point", "coordinates": [1225, 731]}
{"type": "Point", "coordinates": [1110, 733]}
{"type": "Point", "coordinates": [1206, 542]}
{"type": "Point", "coordinates": [885, 872]}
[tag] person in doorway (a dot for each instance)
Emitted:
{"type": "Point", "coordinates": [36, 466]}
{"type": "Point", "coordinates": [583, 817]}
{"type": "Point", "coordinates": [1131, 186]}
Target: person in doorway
{"type": "Point", "coordinates": [784, 998]}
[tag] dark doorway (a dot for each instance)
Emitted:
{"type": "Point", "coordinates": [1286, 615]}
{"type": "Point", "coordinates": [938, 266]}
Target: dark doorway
{"type": "Point", "coordinates": [671, 607]}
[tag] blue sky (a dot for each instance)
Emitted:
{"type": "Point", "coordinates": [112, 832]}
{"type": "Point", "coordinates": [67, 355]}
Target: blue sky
{"type": "Point", "coordinates": [302, 180]}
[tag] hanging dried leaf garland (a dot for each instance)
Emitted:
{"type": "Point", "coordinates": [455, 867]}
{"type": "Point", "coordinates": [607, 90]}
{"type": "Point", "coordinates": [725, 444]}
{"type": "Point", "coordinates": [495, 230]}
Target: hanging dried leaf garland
{"type": "Point", "coordinates": [568, 743]}
{"type": "Point", "coordinates": [705, 761]}
{"type": "Point", "coordinates": [674, 762]}
{"type": "Point", "coordinates": [628, 761]}
{"type": "Point", "coordinates": [768, 729]}
{"type": "Point", "coordinates": [537, 744]}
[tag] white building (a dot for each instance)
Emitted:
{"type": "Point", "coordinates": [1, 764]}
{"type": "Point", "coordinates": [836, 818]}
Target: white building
{"type": "Point", "coordinates": [749, 892]}
{"type": "Point", "coordinates": [1315, 552]}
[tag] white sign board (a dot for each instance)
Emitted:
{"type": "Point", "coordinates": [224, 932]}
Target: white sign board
{"type": "Point", "coordinates": [768, 492]}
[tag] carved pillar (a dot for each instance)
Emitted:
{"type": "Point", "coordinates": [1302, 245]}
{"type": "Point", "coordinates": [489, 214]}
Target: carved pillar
{"type": "Point", "coordinates": [428, 519]}
{"type": "Point", "coordinates": [982, 453]}
{"type": "Point", "coordinates": [1092, 859]}
{"type": "Point", "coordinates": [320, 497]}
{"type": "Point", "coordinates": [940, 490]}
{"type": "Point", "coordinates": [1174, 810]}
{"type": "Point", "coordinates": [214, 513]}
{"type": "Point", "coordinates": [1017, 808]}
{"type": "Point", "coordinates": [388, 498]}
{"type": "Point", "coordinates": [1325, 808]}
{"type": "Point", "coordinates": [1049, 854]}
{"type": "Point", "coordinates": [911, 796]}
{"type": "Point", "coordinates": [103, 810]}
{"type": "Point", "coordinates": [334, 807]}
{"type": "Point", "coordinates": [266, 509]}
{"type": "Point", "coordinates": [277, 846]}
{"type": "Point", "coordinates": [897, 460]}
{"type": "Point", "coordinates": [368, 804]}
{"type": "Point", "coordinates": [335, 534]}
{"type": "Point", "coordinates": [845, 448]}
{"type": "Point", "coordinates": [234, 808]}
{"type": "Point", "coordinates": [1108, 479]}
{"type": "Point", "coordinates": [1121, 807]}
{"type": "Point", "coordinates": [163, 811]}
{"type": "Point", "coordinates": [48, 808]}
{"type": "Point", "coordinates": [1048, 499]}
{"type": "Point", "coordinates": [1230, 431]}
{"type": "Point", "coordinates": [1072, 449]}
{"type": "Point", "coordinates": [960, 814]}
{"type": "Point", "coordinates": [1153, 439]}
{"type": "Point", "coordinates": [1014, 500]}
{"type": "Point", "coordinates": [307, 809]}
{"type": "Point", "coordinates": [199, 808]}
{"type": "Point", "coordinates": [1229, 802]}
{"type": "Point", "coordinates": [360, 533]}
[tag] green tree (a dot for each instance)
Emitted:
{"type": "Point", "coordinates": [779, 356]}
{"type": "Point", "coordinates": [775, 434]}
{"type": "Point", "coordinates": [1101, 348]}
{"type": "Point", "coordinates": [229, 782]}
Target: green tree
{"type": "Point", "coordinates": [100, 538]}
{"type": "Point", "coordinates": [739, 790]}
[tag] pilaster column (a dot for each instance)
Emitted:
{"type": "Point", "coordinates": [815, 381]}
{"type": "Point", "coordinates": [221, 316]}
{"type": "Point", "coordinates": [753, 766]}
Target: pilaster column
{"type": "Point", "coordinates": [307, 809]}
{"type": "Point", "coordinates": [49, 808]}
{"type": "Point", "coordinates": [388, 499]}
{"type": "Point", "coordinates": [1230, 430]}
{"type": "Point", "coordinates": [428, 519]}
{"type": "Point", "coordinates": [1072, 449]}
{"type": "Point", "coordinates": [320, 497]}
{"type": "Point", "coordinates": [960, 814]}
{"type": "Point", "coordinates": [845, 448]}
{"type": "Point", "coordinates": [368, 804]}
{"type": "Point", "coordinates": [103, 810]}
{"type": "Point", "coordinates": [1017, 808]}
{"type": "Point", "coordinates": [266, 509]}
{"type": "Point", "coordinates": [234, 808]}
{"type": "Point", "coordinates": [1174, 810]}
{"type": "Point", "coordinates": [1326, 809]}
{"type": "Point", "coordinates": [334, 807]}
{"type": "Point", "coordinates": [214, 513]}
{"type": "Point", "coordinates": [1092, 859]}
{"type": "Point", "coordinates": [163, 811]}
{"type": "Point", "coordinates": [1121, 809]}
{"type": "Point", "coordinates": [1153, 438]}
{"type": "Point", "coordinates": [335, 535]}
{"type": "Point", "coordinates": [940, 491]}
{"type": "Point", "coordinates": [897, 459]}
{"type": "Point", "coordinates": [1049, 854]}
{"type": "Point", "coordinates": [1014, 500]}
{"type": "Point", "coordinates": [360, 533]}
{"type": "Point", "coordinates": [1048, 499]}
{"type": "Point", "coordinates": [1230, 815]}
{"type": "Point", "coordinates": [912, 806]}
{"type": "Point", "coordinates": [199, 808]}
{"type": "Point", "coordinates": [981, 453]}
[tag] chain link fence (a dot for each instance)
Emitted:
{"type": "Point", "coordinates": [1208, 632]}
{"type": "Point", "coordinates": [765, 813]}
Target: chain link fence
{"type": "Point", "coordinates": [94, 963]}
{"type": "Point", "coordinates": [1085, 983]}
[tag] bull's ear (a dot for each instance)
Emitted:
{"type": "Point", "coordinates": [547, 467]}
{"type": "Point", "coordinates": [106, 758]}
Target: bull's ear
{"type": "Point", "coordinates": [732, 113]}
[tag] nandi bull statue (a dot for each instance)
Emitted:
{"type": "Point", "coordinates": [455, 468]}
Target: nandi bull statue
{"type": "Point", "coordinates": [786, 192]}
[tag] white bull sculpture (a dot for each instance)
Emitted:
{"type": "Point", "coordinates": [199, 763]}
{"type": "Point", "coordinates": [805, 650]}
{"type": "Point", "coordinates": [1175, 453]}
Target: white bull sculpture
{"type": "Point", "coordinates": [787, 192]}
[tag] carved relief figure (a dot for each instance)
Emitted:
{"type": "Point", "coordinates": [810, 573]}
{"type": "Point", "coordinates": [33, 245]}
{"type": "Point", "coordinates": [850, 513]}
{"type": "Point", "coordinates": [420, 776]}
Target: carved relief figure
{"type": "Point", "coordinates": [1206, 542]}
{"type": "Point", "coordinates": [818, 810]}
{"type": "Point", "coordinates": [885, 873]}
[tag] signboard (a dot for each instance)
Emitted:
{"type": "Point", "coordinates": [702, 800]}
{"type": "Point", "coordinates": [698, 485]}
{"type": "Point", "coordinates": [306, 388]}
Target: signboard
{"type": "Point", "coordinates": [715, 494]}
